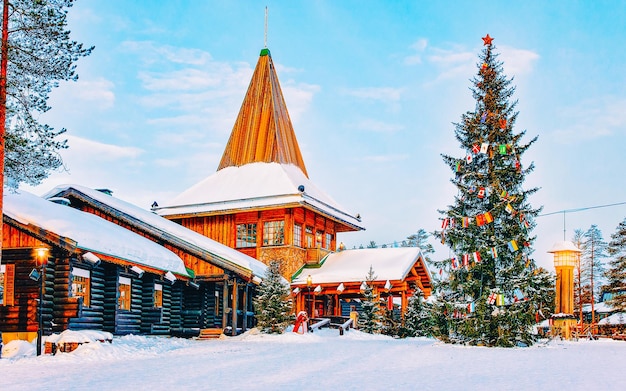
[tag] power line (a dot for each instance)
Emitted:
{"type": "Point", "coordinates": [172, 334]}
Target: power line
{"type": "Point", "coordinates": [564, 211]}
{"type": "Point", "coordinates": [581, 209]}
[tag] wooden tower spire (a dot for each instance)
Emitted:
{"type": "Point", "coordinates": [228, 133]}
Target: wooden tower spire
{"type": "Point", "coordinates": [263, 131]}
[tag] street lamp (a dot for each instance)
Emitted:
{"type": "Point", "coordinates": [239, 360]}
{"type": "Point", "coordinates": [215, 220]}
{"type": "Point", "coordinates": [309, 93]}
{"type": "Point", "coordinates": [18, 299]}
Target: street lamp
{"type": "Point", "coordinates": [309, 282]}
{"type": "Point", "coordinates": [41, 257]}
{"type": "Point", "coordinates": [566, 256]}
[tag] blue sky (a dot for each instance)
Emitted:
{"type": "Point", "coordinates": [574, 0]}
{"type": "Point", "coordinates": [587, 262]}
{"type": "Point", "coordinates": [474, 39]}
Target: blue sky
{"type": "Point", "coordinates": [372, 88]}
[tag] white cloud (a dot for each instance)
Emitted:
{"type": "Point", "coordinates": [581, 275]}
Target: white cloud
{"type": "Point", "coordinates": [94, 150]}
{"type": "Point", "coordinates": [419, 46]}
{"type": "Point", "coordinates": [517, 61]}
{"type": "Point", "coordinates": [298, 97]}
{"type": "Point", "coordinates": [151, 52]}
{"type": "Point", "coordinates": [591, 119]}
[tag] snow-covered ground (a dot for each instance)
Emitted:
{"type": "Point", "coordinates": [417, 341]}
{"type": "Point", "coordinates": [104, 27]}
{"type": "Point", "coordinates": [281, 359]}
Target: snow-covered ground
{"type": "Point", "coordinates": [319, 361]}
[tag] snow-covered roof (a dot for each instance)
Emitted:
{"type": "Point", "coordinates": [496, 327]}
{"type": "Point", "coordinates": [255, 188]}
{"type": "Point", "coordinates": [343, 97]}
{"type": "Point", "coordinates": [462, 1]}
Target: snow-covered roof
{"type": "Point", "coordinates": [227, 257]}
{"type": "Point", "coordinates": [256, 185]}
{"type": "Point", "coordinates": [602, 307]}
{"type": "Point", "coordinates": [90, 232]}
{"type": "Point", "coordinates": [616, 318]}
{"type": "Point", "coordinates": [354, 265]}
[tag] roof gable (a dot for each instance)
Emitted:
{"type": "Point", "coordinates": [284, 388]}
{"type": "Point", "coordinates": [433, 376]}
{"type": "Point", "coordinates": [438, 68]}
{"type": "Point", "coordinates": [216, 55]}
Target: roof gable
{"type": "Point", "coordinates": [263, 131]}
{"type": "Point", "coordinates": [257, 185]}
{"type": "Point", "coordinates": [208, 249]}
{"type": "Point", "coordinates": [391, 264]}
{"type": "Point", "coordinates": [89, 232]}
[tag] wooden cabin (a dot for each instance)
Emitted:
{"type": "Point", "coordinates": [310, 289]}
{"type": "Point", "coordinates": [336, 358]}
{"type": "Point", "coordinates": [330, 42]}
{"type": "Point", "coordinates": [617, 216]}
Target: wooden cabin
{"type": "Point", "coordinates": [331, 288]}
{"type": "Point", "coordinates": [261, 201]}
{"type": "Point", "coordinates": [88, 272]}
{"type": "Point", "coordinates": [223, 281]}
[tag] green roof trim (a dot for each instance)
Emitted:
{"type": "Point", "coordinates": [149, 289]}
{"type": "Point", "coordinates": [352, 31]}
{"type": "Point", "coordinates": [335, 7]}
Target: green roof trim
{"type": "Point", "coordinates": [265, 52]}
{"type": "Point", "coordinates": [191, 273]}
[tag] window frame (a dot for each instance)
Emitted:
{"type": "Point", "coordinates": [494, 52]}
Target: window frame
{"type": "Point", "coordinates": [158, 295]}
{"type": "Point", "coordinates": [297, 235]}
{"type": "Point", "coordinates": [125, 291]}
{"type": "Point", "coordinates": [81, 278]}
{"type": "Point", "coordinates": [274, 233]}
{"type": "Point", "coordinates": [249, 231]}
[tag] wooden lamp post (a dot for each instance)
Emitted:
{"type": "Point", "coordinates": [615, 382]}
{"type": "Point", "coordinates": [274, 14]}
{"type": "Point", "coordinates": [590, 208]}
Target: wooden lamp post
{"type": "Point", "coordinates": [566, 256]}
{"type": "Point", "coordinates": [41, 254]}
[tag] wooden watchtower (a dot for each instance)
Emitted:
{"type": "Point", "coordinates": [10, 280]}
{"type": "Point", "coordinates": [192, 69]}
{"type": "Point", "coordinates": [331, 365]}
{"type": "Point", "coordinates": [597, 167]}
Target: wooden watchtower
{"type": "Point", "coordinates": [261, 200]}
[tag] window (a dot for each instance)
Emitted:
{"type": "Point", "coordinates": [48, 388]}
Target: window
{"type": "Point", "coordinates": [329, 240]}
{"type": "Point", "coordinates": [309, 236]}
{"type": "Point", "coordinates": [274, 233]}
{"type": "Point", "coordinates": [297, 235]}
{"type": "Point", "coordinates": [81, 285]}
{"type": "Point", "coordinates": [158, 295]}
{"type": "Point", "coordinates": [319, 235]}
{"type": "Point", "coordinates": [123, 301]}
{"type": "Point", "coordinates": [7, 284]}
{"type": "Point", "coordinates": [2, 272]}
{"type": "Point", "coordinates": [246, 235]}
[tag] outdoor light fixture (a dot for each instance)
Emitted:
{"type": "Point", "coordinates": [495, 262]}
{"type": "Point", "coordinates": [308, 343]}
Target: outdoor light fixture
{"type": "Point", "coordinates": [342, 246]}
{"type": "Point", "coordinates": [91, 258]}
{"type": "Point", "coordinates": [170, 277]}
{"type": "Point", "coordinates": [137, 270]}
{"type": "Point", "coordinates": [309, 281]}
{"type": "Point", "coordinates": [34, 275]}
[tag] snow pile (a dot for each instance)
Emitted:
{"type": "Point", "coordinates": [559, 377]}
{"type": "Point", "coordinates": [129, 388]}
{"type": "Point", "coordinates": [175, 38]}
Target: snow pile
{"type": "Point", "coordinates": [320, 360]}
{"type": "Point", "coordinates": [17, 349]}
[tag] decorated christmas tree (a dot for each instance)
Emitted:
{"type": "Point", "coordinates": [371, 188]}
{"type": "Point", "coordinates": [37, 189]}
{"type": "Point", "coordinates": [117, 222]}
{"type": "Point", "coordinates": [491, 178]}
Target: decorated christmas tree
{"type": "Point", "coordinates": [273, 302]}
{"type": "Point", "coordinates": [491, 290]}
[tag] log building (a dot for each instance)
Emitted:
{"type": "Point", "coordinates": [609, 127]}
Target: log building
{"type": "Point", "coordinates": [261, 200]}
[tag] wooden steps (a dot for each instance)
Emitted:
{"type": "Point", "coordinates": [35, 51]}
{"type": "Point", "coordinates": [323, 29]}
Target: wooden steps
{"type": "Point", "coordinates": [210, 334]}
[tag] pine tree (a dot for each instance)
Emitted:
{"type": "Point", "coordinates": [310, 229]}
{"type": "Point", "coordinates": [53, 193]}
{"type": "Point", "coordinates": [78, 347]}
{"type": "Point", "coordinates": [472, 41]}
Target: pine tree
{"type": "Point", "coordinates": [273, 302]}
{"type": "Point", "coordinates": [485, 294]}
{"type": "Point", "coordinates": [420, 239]}
{"type": "Point", "coordinates": [418, 320]}
{"type": "Point", "coordinates": [579, 291]}
{"type": "Point", "coordinates": [594, 250]}
{"type": "Point", "coordinates": [370, 318]}
{"type": "Point", "coordinates": [616, 273]}
{"type": "Point", "coordinates": [40, 54]}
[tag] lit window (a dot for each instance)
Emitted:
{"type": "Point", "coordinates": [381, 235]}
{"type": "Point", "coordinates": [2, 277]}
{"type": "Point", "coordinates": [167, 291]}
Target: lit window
{"type": "Point", "coordinates": [2, 269]}
{"type": "Point", "coordinates": [329, 240]}
{"type": "Point", "coordinates": [274, 233]}
{"type": "Point", "coordinates": [158, 295]}
{"type": "Point", "coordinates": [318, 239]}
{"type": "Point", "coordinates": [309, 236]}
{"type": "Point", "coordinates": [7, 285]}
{"type": "Point", "coordinates": [81, 285]}
{"type": "Point", "coordinates": [123, 301]}
{"type": "Point", "coordinates": [297, 235]}
{"type": "Point", "coordinates": [246, 235]}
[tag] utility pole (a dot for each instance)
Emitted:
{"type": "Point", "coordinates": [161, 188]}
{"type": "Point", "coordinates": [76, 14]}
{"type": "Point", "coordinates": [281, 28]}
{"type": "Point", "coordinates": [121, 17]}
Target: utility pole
{"type": "Point", "coordinates": [3, 106]}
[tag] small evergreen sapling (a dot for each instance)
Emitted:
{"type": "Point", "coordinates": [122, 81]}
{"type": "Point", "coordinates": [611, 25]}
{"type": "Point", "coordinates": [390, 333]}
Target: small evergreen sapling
{"type": "Point", "coordinates": [370, 319]}
{"type": "Point", "coordinates": [273, 302]}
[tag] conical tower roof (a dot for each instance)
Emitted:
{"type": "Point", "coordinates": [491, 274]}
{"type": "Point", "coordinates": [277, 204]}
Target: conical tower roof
{"type": "Point", "coordinates": [263, 130]}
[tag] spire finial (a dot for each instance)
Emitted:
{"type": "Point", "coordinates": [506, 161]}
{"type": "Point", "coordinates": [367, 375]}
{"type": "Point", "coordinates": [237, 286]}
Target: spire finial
{"type": "Point", "coordinates": [265, 40]}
